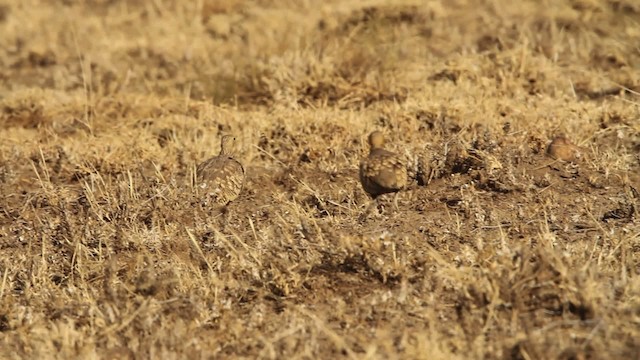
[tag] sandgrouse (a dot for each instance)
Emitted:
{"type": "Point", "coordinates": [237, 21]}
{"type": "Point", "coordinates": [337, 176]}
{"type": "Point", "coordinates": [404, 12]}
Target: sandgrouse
{"type": "Point", "coordinates": [221, 176]}
{"type": "Point", "coordinates": [561, 148]}
{"type": "Point", "coordinates": [382, 171]}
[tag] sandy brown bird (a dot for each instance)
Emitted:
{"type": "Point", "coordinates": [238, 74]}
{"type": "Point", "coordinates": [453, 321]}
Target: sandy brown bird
{"type": "Point", "coordinates": [221, 176]}
{"type": "Point", "coordinates": [382, 171]}
{"type": "Point", "coordinates": [561, 148]}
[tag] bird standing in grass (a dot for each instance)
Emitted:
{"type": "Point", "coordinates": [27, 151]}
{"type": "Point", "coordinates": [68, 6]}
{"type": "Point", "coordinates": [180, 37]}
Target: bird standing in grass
{"type": "Point", "coordinates": [561, 148]}
{"type": "Point", "coordinates": [382, 171]}
{"type": "Point", "coordinates": [221, 176]}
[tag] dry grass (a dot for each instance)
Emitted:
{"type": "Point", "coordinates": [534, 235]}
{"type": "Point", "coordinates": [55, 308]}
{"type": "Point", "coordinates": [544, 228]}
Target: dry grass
{"type": "Point", "coordinates": [496, 251]}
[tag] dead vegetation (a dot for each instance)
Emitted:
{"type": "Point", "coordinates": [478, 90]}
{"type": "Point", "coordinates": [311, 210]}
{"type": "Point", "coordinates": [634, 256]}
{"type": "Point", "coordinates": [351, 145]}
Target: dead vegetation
{"type": "Point", "coordinates": [496, 250]}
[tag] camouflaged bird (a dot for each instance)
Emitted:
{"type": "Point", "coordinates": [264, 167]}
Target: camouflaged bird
{"type": "Point", "coordinates": [221, 176]}
{"type": "Point", "coordinates": [561, 148]}
{"type": "Point", "coordinates": [382, 171]}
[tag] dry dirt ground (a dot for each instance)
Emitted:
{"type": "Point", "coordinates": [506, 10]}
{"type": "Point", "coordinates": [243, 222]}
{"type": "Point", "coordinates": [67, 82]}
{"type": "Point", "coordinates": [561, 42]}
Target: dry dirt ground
{"type": "Point", "coordinates": [495, 251]}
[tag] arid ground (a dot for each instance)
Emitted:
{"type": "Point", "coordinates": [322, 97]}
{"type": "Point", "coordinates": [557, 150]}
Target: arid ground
{"type": "Point", "coordinates": [495, 250]}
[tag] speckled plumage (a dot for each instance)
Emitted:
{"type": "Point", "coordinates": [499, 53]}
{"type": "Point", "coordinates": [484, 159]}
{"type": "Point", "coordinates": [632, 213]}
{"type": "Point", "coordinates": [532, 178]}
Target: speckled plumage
{"type": "Point", "coordinates": [221, 176]}
{"type": "Point", "coordinates": [382, 171]}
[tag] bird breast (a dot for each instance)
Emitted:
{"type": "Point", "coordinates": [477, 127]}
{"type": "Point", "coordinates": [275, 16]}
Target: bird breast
{"type": "Point", "coordinates": [383, 171]}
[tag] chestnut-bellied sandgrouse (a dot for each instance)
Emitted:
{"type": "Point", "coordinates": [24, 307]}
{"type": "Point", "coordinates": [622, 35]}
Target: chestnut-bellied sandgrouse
{"type": "Point", "coordinates": [382, 171]}
{"type": "Point", "coordinates": [221, 176]}
{"type": "Point", "coordinates": [561, 148]}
